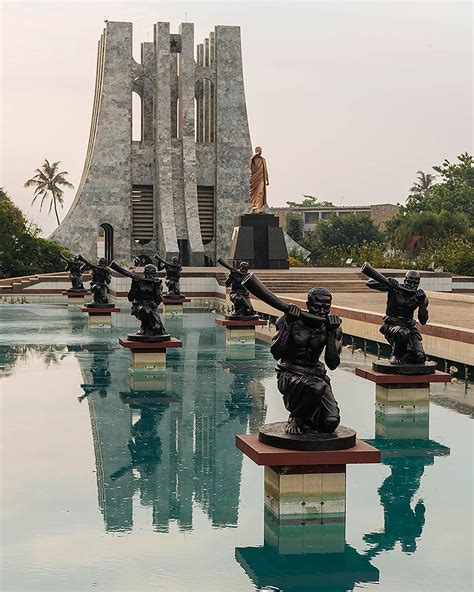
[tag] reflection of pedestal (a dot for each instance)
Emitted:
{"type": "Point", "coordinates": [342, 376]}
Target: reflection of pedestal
{"type": "Point", "coordinates": [75, 297]}
{"type": "Point", "coordinates": [149, 356]}
{"type": "Point", "coordinates": [305, 492]}
{"type": "Point", "coordinates": [402, 402]}
{"type": "Point", "coordinates": [258, 239]}
{"type": "Point", "coordinates": [174, 306]}
{"type": "Point", "coordinates": [240, 332]}
{"type": "Point", "coordinates": [100, 318]}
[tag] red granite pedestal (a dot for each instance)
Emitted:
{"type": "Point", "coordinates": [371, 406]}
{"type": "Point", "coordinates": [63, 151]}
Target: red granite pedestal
{"type": "Point", "coordinates": [402, 399]}
{"type": "Point", "coordinates": [100, 318]}
{"type": "Point", "coordinates": [149, 356]}
{"type": "Point", "coordinates": [174, 306]}
{"type": "Point", "coordinates": [75, 297]}
{"type": "Point", "coordinates": [305, 492]}
{"type": "Point", "coordinates": [240, 332]}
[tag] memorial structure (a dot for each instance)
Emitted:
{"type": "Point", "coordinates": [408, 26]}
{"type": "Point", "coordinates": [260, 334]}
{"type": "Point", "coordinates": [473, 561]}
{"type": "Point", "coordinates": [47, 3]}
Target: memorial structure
{"type": "Point", "coordinates": [182, 183]}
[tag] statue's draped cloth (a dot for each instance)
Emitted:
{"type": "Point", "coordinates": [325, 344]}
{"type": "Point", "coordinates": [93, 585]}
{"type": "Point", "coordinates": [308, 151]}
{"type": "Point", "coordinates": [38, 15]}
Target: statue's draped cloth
{"type": "Point", "coordinates": [258, 183]}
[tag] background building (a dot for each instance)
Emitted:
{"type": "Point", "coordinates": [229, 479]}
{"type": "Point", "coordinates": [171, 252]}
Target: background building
{"type": "Point", "coordinates": [311, 215]}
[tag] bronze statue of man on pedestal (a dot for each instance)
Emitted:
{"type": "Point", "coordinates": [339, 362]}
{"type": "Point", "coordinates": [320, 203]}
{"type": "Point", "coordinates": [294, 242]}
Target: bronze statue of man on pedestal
{"type": "Point", "coordinates": [258, 182]}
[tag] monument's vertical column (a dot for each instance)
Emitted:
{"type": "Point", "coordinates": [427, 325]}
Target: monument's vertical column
{"type": "Point", "coordinates": [104, 193]}
{"type": "Point", "coordinates": [186, 86]}
{"type": "Point", "coordinates": [212, 94]}
{"type": "Point", "coordinates": [163, 194]}
{"type": "Point", "coordinates": [233, 148]}
{"type": "Point", "coordinates": [148, 58]}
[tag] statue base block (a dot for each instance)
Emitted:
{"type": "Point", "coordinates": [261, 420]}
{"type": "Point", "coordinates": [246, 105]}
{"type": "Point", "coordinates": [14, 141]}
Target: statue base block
{"type": "Point", "coordinates": [259, 240]}
{"type": "Point", "coordinates": [385, 367]}
{"type": "Point", "coordinates": [262, 454]}
{"type": "Point", "coordinates": [100, 318]}
{"type": "Point", "coordinates": [383, 378]}
{"type": "Point", "coordinates": [149, 356]}
{"type": "Point", "coordinates": [75, 297]}
{"type": "Point", "coordinates": [274, 434]}
{"type": "Point", "coordinates": [306, 487]}
{"type": "Point", "coordinates": [240, 332]}
{"type": "Point", "coordinates": [174, 305]}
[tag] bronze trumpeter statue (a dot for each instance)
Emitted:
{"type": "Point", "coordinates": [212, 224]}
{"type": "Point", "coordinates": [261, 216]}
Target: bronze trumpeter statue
{"type": "Point", "coordinates": [145, 297]}
{"type": "Point", "coordinates": [101, 278]}
{"type": "Point", "coordinates": [173, 275]}
{"type": "Point", "coordinates": [74, 266]}
{"type": "Point", "coordinates": [399, 326]}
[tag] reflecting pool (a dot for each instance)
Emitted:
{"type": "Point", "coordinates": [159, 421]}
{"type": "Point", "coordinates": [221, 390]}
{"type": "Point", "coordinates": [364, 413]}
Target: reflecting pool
{"type": "Point", "coordinates": [116, 482]}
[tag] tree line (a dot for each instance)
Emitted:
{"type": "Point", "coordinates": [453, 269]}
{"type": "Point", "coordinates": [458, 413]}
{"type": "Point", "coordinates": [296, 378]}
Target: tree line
{"type": "Point", "coordinates": [433, 229]}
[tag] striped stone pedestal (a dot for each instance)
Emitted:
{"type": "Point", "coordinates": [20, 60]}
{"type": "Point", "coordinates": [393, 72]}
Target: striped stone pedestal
{"type": "Point", "coordinates": [174, 306]}
{"type": "Point", "coordinates": [305, 494]}
{"type": "Point", "coordinates": [75, 298]}
{"type": "Point", "coordinates": [308, 505]}
{"type": "Point", "coordinates": [149, 357]}
{"type": "Point", "coordinates": [240, 332]}
{"type": "Point", "coordinates": [100, 318]}
{"type": "Point", "coordinates": [402, 402]}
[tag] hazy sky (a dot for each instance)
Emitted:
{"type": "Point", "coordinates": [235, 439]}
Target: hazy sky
{"type": "Point", "coordinates": [347, 99]}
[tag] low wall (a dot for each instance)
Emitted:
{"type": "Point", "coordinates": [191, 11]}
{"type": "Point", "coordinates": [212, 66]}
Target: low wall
{"type": "Point", "coordinates": [442, 341]}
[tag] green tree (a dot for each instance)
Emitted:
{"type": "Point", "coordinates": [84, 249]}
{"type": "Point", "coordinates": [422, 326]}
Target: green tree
{"type": "Point", "coordinates": [294, 226]}
{"type": "Point", "coordinates": [47, 183]}
{"type": "Point", "coordinates": [22, 251]}
{"type": "Point", "coordinates": [350, 229]}
{"type": "Point", "coordinates": [426, 226]}
{"type": "Point", "coordinates": [455, 192]}
{"type": "Point", "coordinates": [309, 201]}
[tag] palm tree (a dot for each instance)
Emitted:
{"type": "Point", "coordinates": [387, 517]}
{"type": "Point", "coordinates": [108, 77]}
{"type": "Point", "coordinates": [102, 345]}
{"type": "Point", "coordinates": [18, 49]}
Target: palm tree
{"type": "Point", "coordinates": [424, 183]}
{"type": "Point", "coordinates": [46, 183]}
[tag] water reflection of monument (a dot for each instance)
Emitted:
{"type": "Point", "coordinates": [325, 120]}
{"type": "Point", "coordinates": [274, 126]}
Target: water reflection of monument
{"type": "Point", "coordinates": [167, 450]}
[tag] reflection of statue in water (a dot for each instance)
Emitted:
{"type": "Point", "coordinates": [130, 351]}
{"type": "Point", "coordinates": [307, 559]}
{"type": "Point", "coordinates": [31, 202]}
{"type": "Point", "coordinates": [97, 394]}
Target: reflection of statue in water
{"type": "Point", "coordinates": [239, 295]}
{"type": "Point", "coordinates": [399, 326]}
{"type": "Point", "coordinates": [403, 523]}
{"type": "Point", "coordinates": [302, 378]}
{"type": "Point", "coordinates": [145, 296]}
{"type": "Point", "coordinates": [100, 281]}
{"type": "Point", "coordinates": [144, 444]}
{"type": "Point", "coordinates": [74, 266]}
{"type": "Point", "coordinates": [173, 274]}
{"type": "Point", "coordinates": [100, 377]}
{"type": "Point", "coordinates": [258, 182]}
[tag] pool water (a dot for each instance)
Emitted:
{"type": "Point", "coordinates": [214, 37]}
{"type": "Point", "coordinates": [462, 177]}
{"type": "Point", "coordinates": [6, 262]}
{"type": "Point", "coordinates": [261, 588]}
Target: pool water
{"type": "Point", "coordinates": [110, 484]}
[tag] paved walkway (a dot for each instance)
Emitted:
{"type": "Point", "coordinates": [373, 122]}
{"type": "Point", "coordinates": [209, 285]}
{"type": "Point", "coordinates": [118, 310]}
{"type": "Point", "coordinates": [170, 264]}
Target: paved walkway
{"type": "Point", "coordinates": [457, 314]}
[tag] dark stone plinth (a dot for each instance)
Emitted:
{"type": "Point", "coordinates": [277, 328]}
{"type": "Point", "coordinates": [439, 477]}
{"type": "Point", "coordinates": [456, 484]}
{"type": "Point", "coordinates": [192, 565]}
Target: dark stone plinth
{"type": "Point", "coordinates": [273, 434]}
{"type": "Point", "coordinates": [101, 306]}
{"type": "Point", "coordinates": [150, 345]}
{"type": "Point", "coordinates": [406, 379]}
{"type": "Point", "coordinates": [148, 338]}
{"type": "Point", "coordinates": [265, 455]}
{"type": "Point", "coordinates": [258, 239]}
{"type": "Point", "coordinates": [240, 323]}
{"type": "Point", "coordinates": [170, 299]}
{"type": "Point", "coordinates": [241, 318]}
{"type": "Point", "coordinates": [385, 367]}
{"type": "Point", "coordinates": [75, 292]}
{"type": "Point", "coordinates": [99, 310]}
